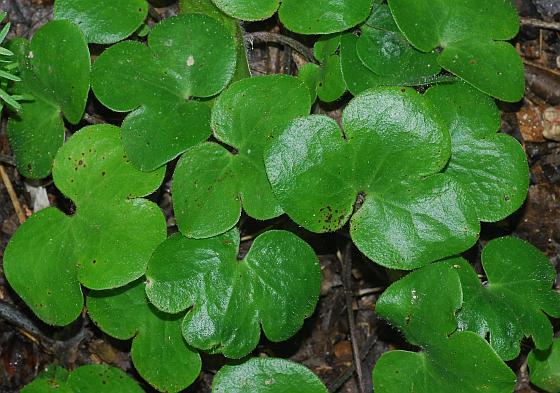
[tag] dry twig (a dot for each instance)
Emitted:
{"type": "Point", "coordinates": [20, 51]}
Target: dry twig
{"type": "Point", "coordinates": [12, 194]}
{"type": "Point", "coordinates": [346, 261]}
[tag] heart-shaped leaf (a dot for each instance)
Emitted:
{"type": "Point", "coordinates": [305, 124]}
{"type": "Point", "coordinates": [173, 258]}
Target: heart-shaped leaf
{"type": "Point", "coordinates": [106, 244]}
{"type": "Point", "coordinates": [544, 368]}
{"type": "Point", "coordinates": [423, 305]}
{"type": "Point", "coordinates": [210, 183]}
{"type": "Point", "coordinates": [491, 167]}
{"type": "Point", "coordinates": [103, 21]}
{"type": "Point", "coordinates": [158, 352]}
{"type": "Point", "coordinates": [302, 16]}
{"type": "Point", "coordinates": [54, 69]}
{"type": "Point", "coordinates": [187, 56]}
{"type": "Point", "coordinates": [267, 375]}
{"type": "Point", "coordinates": [276, 286]}
{"type": "Point", "coordinates": [392, 145]}
{"type": "Point", "coordinates": [513, 302]}
{"type": "Point", "coordinates": [93, 378]}
{"type": "Point", "coordinates": [471, 34]}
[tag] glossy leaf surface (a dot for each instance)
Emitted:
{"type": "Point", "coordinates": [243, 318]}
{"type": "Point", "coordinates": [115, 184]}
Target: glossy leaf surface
{"type": "Point", "coordinates": [385, 51]}
{"type": "Point", "coordinates": [106, 244]}
{"type": "Point", "coordinates": [392, 145]}
{"type": "Point", "coordinates": [210, 183]}
{"type": "Point", "coordinates": [302, 16]}
{"type": "Point", "coordinates": [187, 56]}
{"type": "Point", "coordinates": [275, 286]}
{"type": "Point", "coordinates": [544, 368]}
{"type": "Point", "coordinates": [267, 375]}
{"type": "Point", "coordinates": [158, 352]}
{"type": "Point", "coordinates": [422, 306]}
{"type": "Point", "coordinates": [491, 167]}
{"type": "Point", "coordinates": [103, 21]}
{"type": "Point", "coordinates": [513, 302]}
{"type": "Point", "coordinates": [54, 68]}
{"type": "Point", "coordinates": [471, 34]}
{"type": "Point", "coordinates": [85, 379]}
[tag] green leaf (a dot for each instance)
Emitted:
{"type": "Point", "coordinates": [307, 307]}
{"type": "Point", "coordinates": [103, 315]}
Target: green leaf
{"type": "Point", "coordinates": [471, 35]}
{"type": "Point", "coordinates": [210, 183]}
{"type": "Point", "coordinates": [513, 302]}
{"type": "Point", "coordinates": [422, 305]}
{"type": "Point", "coordinates": [331, 85]}
{"type": "Point", "coordinates": [302, 16]}
{"type": "Point", "coordinates": [159, 352]}
{"type": "Point", "coordinates": [384, 50]}
{"type": "Point", "coordinates": [310, 74]}
{"type": "Point", "coordinates": [465, 363]}
{"type": "Point", "coordinates": [103, 21]}
{"type": "Point", "coordinates": [544, 368]}
{"type": "Point", "coordinates": [357, 76]}
{"type": "Point", "coordinates": [92, 378]}
{"type": "Point", "coordinates": [106, 244]}
{"type": "Point", "coordinates": [187, 56]}
{"type": "Point", "coordinates": [207, 7]}
{"type": "Point", "coordinates": [248, 9]}
{"type": "Point", "coordinates": [275, 286]}
{"type": "Point", "coordinates": [327, 78]}
{"type": "Point", "coordinates": [267, 375]}
{"type": "Point", "coordinates": [55, 70]}
{"type": "Point", "coordinates": [492, 168]}
{"type": "Point", "coordinates": [323, 16]}
{"type": "Point", "coordinates": [392, 139]}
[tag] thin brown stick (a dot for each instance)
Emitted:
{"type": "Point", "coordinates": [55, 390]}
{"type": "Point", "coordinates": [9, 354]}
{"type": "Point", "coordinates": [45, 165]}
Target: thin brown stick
{"type": "Point", "coordinates": [541, 24]}
{"type": "Point", "coordinates": [341, 379]}
{"type": "Point", "coordinates": [12, 194]}
{"type": "Point", "coordinates": [265, 36]}
{"type": "Point", "coordinates": [346, 261]}
{"type": "Point", "coordinates": [541, 67]}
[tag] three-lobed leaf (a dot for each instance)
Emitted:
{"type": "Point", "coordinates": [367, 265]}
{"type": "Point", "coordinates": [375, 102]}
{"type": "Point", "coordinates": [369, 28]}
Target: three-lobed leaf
{"type": "Point", "coordinates": [187, 56]}
{"type": "Point", "coordinates": [491, 167]}
{"type": "Point", "coordinates": [275, 286]}
{"type": "Point", "coordinates": [471, 35]}
{"type": "Point", "coordinates": [93, 378]}
{"type": "Point", "coordinates": [106, 244]}
{"type": "Point", "coordinates": [210, 184]}
{"type": "Point", "coordinates": [159, 352]}
{"type": "Point", "coordinates": [389, 153]}
{"type": "Point", "coordinates": [422, 306]}
{"type": "Point", "coordinates": [55, 71]}
{"type": "Point", "coordinates": [267, 375]}
{"type": "Point", "coordinates": [513, 302]}
{"type": "Point", "coordinates": [103, 21]}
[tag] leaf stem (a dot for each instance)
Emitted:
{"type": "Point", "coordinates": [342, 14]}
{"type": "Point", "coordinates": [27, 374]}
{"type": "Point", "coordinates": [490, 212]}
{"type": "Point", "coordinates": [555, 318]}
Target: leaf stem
{"type": "Point", "coordinates": [265, 36]}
